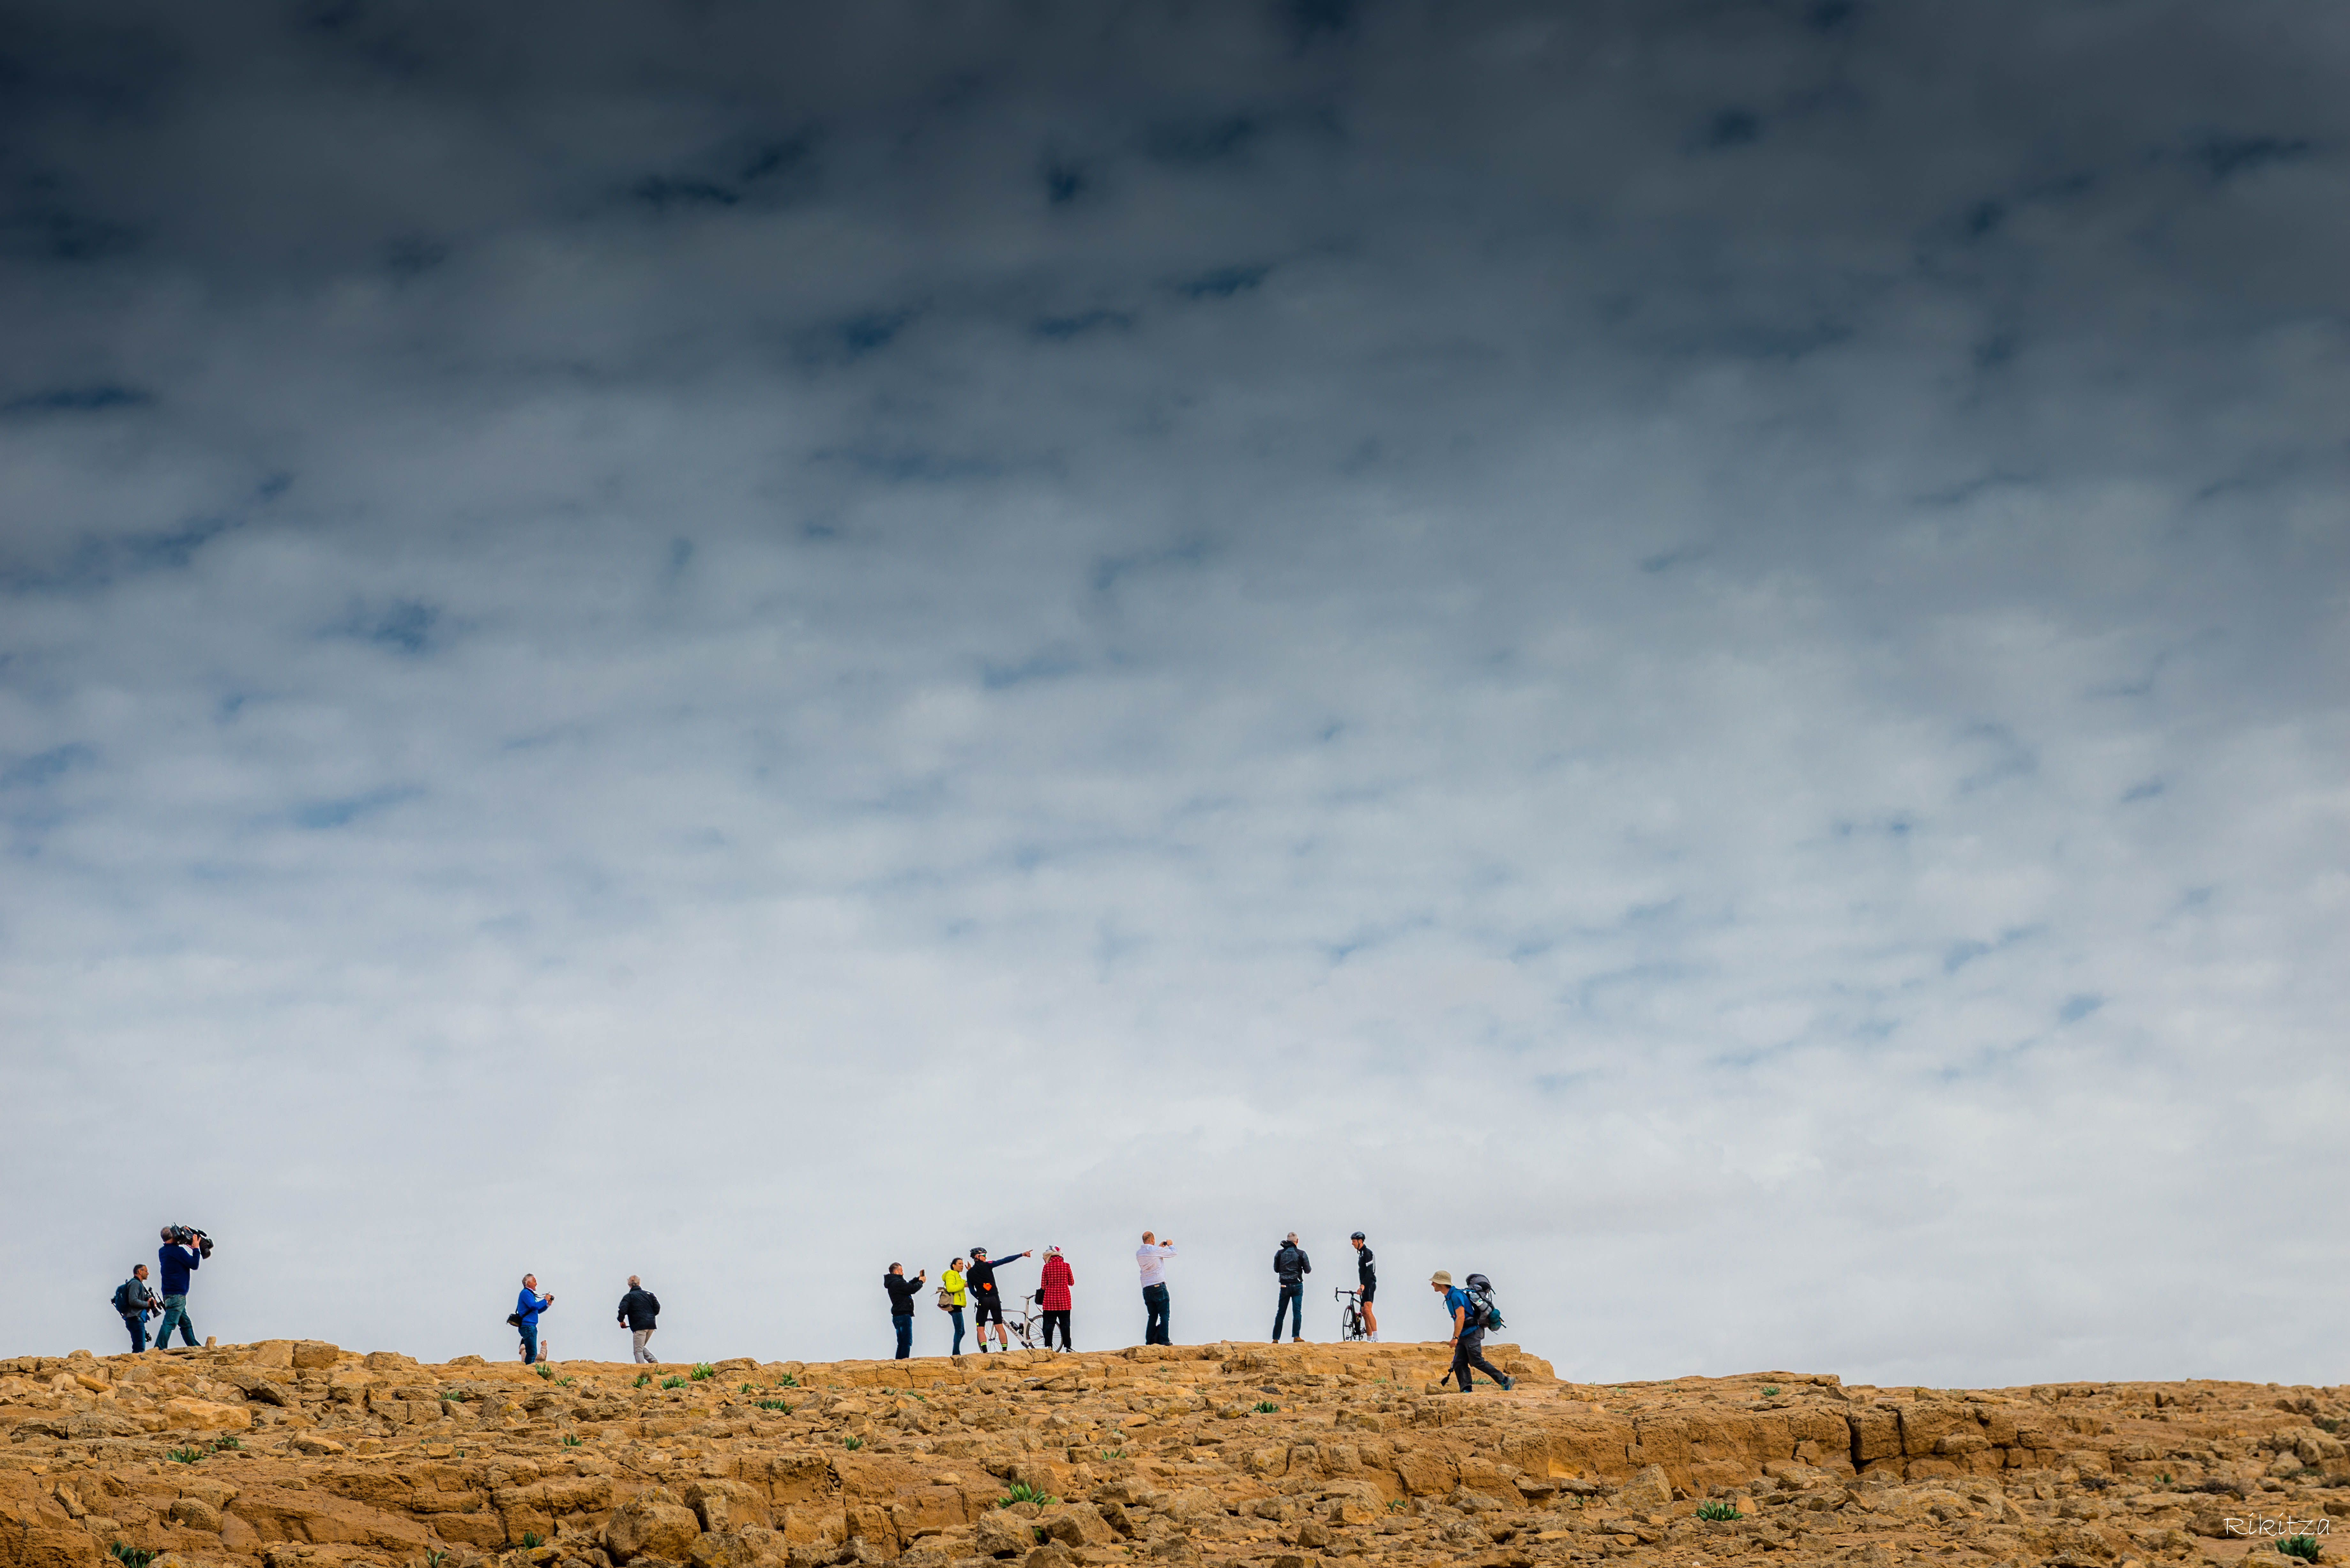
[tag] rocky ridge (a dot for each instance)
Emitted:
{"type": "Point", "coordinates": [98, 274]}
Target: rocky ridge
{"type": "Point", "coordinates": [287, 1454]}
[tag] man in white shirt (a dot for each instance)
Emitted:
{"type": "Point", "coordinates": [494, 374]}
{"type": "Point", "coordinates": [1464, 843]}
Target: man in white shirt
{"type": "Point", "coordinates": [1152, 1259]}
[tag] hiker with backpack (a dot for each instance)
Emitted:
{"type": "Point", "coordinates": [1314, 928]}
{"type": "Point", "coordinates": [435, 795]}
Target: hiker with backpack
{"type": "Point", "coordinates": [902, 1292]}
{"type": "Point", "coordinates": [136, 1303]}
{"type": "Point", "coordinates": [1473, 1312]}
{"type": "Point", "coordinates": [525, 1317]}
{"type": "Point", "coordinates": [1289, 1266]}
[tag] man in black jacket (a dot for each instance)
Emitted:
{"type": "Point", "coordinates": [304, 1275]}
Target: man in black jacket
{"type": "Point", "coordinates": [638, 1308]}
{"type": "Point", "coordinates": [1289, 1266]}
{"type": "Point", "coordinates": [1367, 1280]}
{"type": "Point", "coordinates": [902, 1292]}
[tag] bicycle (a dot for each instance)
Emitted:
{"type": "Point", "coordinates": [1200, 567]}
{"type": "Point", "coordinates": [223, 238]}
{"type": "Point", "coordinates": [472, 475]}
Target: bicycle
{"type": "Point", "coordinates": [1350, 1314]}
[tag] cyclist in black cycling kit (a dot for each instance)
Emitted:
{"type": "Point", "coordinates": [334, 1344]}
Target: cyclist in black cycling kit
{"type": "Point", "coordinates": [980, 1279]}
{"type": "Point", "coordinates": [1369, 1278]}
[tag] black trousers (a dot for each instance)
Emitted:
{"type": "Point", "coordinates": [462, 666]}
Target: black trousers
{"type": "Point", "coordinates": [1471, 1352]}
{"type": "Point", "coordinates": [1060, 1319]}
{"type": "Point", "coordinates": [1154, 1305]}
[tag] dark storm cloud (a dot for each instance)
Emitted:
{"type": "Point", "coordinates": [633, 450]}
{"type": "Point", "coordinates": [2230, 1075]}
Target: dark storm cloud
{"type": "Point", "coordinates": [1727, 616]}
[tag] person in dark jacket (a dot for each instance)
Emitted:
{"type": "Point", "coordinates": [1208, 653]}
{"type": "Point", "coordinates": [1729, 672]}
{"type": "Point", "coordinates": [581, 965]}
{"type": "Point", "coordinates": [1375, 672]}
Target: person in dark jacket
{"type": "Point", "coordinates": [1289, 1266]}
{"type": "Point", "coordinates": [902, 1292]}
{"type": "Point", "coordinates": [177, 1259]}
{"type": "Point", "coordinates": [638, 1308]}
{"type": "Point", "coordinates": [987, 1299]}
{"type": "Point", "coordinates": [137, 1304]}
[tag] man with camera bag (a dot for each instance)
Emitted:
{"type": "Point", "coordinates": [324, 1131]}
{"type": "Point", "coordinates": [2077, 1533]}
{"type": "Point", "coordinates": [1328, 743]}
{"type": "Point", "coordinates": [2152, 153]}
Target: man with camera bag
{"type": "Point", "coordinates": [525, 1317]}
{"type": "Point", "coordinates": [137, 1304]}
{"type": "Point", "coordinates": [182, 1250]}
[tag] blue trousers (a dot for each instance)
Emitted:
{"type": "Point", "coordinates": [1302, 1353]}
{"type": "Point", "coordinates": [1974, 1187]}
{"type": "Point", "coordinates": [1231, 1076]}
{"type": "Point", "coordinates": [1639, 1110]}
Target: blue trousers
{"type": "Point", "coordinates": [1291, 1300]}
{"type": "Point", "coordinates": [175, 1310]}
{"type": "Point", "coordinates": [529, 1342]}
{"type": "Point", "coordinates": [905, 1324]}
{"type": "Point", "coordinates": [956, 1314]}
{"type": "Point", "coordinates": [136, 1322]}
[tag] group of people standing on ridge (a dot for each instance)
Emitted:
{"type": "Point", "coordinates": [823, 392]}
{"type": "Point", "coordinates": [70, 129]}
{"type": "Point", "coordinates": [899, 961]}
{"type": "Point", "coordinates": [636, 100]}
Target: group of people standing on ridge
{"type": "Point", "coordinates": [962, 1286]}
{"type": "Point", "coordinates": [973, 1286]}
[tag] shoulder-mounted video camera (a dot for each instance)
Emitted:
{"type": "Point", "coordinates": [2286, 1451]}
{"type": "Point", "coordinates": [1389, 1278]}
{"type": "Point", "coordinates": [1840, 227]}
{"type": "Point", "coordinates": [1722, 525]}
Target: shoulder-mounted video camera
{"type": "Point", "coordinates": [188, 1236]}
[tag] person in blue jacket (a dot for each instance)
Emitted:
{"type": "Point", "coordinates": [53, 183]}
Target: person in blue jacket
{"type": "Point", "coordinates": [176, 1259]}
{"type": "Point", "coordinates": [527, 1306]}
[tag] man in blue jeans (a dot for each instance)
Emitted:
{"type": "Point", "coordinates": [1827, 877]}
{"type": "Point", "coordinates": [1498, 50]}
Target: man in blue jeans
{"type": "Point", "coordinates": [1289, 1266]}
{"type": "Point", "coordinates": [177, 1259]}
{"type": "Point", "coordinates": [902, 1292]}
{"type": "Point", "coordinates": [1153, 1259]}
{"type": "Point", "coordinates": [527, 1306]}
{"type": "Point", "coordinates": [135, 1302]}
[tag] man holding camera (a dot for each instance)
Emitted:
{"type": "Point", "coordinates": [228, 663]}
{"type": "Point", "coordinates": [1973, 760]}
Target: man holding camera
{"type": "Point", "coordinates": [527, 1306]}
{"type": "Point", "coordinates": [178, 1255]}
{"type": "Point", "coordinates": [137, 1304]}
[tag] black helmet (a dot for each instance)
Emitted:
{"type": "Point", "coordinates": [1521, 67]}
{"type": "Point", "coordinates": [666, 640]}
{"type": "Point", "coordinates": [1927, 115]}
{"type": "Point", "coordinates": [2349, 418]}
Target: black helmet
{"type": "Point", "coordinates": [979, 1251]}
{"type": "Point", "coordinates": [1356, 1237]}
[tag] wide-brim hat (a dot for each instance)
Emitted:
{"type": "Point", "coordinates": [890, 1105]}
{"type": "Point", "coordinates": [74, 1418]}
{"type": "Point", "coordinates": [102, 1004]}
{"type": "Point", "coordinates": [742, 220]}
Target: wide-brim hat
{"type": "Point", "coordinates": [1441, 1277]}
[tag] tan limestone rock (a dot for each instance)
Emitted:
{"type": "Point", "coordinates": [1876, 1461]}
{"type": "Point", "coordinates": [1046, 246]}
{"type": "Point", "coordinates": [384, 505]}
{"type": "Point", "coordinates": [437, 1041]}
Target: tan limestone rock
{"type": "Point", "coordinates": [1651, 1491]}
{"type": "Point", "coordinates": [652, 1524]}
{"type": "Point", "coordinates": [206, 1416]}
{"type": "Point", "coordinates": [1000, 1534]}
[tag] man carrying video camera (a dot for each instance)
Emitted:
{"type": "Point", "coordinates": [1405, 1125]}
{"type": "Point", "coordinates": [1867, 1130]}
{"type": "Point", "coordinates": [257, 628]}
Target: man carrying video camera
{"type": "Point", "coordinates": [182, 1250]}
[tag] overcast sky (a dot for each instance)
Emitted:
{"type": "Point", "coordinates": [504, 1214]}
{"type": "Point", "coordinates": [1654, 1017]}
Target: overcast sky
{"type": "Point", "coordinates": [1695, 655]}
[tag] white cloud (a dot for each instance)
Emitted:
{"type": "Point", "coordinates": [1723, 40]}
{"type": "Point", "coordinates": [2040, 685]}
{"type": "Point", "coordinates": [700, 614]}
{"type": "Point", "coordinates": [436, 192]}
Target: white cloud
{"type": "Point", "coordinates": [1658, 720]}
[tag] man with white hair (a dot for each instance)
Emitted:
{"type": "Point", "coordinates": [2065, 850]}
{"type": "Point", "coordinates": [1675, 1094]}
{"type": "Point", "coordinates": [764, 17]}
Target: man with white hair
{"type": "Point", "coordinates": [639, 1309]}
{"type": "Point", "coordinates": [527, 1306]}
